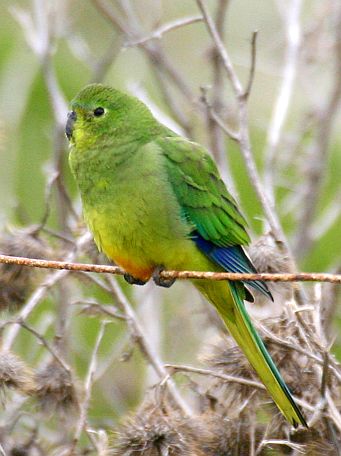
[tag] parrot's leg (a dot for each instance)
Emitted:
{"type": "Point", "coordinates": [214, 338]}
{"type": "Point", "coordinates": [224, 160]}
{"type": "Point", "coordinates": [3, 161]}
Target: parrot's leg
{"type": "Point", "coordinates": [160, 281]}
{"type": "Point", "coordinates": [132, 280]}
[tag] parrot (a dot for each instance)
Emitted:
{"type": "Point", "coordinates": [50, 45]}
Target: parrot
{"type": "Point", "coordinates": [154, 200]}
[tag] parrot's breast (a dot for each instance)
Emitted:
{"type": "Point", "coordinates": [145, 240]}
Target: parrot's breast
{"type": "Point", "coordinates": [135, 217]}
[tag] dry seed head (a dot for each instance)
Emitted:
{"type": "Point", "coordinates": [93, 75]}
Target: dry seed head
{"type": "Point", "coordinates": [16, 282]}
{"type": "Point", "coordinates": [56, 390]}
{"type": "Point", "coordinates": [267, 258]}
{"type": "Point", "coordinates": [226, 358]}
{"type": "Point", "coordinates": [152, 431]}
{"type": "Point", "coordinates": [15, 374]}
{"type": "Point", "coordinates": [319, 441]}
{"type": "Point", "coordinates": [219, 436]}
{"type": "Point", "coordinates": [29, 449]}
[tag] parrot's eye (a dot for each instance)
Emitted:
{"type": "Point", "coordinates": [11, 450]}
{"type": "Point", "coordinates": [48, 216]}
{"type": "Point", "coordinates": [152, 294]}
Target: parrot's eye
{"type": "Point", "coordinates": [98, 112]}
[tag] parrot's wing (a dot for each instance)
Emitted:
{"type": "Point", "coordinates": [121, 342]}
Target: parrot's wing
{"type": "Point", "coordinates": [218, 226]}
{"type": "Point", "coordinates": [202, 194]}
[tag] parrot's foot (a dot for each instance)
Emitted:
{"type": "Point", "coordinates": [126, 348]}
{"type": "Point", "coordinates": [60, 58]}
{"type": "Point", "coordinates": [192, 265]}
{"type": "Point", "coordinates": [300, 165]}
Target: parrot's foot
{"type": "Point", "coordinates": [132, 280]}
{"type": "Point", "coordinates": [160, 281]}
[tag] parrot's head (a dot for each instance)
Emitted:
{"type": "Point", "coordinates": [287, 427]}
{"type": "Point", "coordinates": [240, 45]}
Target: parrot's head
{"type": "Point", "coordinates": [101, 115]}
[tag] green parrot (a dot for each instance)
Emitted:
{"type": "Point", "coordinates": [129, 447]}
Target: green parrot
{"type": "Point", "coordinates": [154, 200]}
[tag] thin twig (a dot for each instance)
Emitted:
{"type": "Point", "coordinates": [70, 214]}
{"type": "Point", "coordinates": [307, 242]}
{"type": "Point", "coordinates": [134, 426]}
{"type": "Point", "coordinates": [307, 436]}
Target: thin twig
{"type": "Point", "coordinates": [243, 136]}
{"type": "Point", "coordinates": [218, 144]}
{"type": "Point", "coordinates": [217, 119]}
{"type": "Point", "coordinates": [174, 368]}
{"type": "Point", "coordinates": [248, 88]}
{"type": "Point", "coordinates": [299, 349]}
{"type": "Point", "coordinates": [317, 163]}
{"type": "Point", "coordinates": [165, 28]}
{"type": "Point", "coordinates": [281, 108]}
{"type": "Point", "coordinates": [211, 27]}
{"type": "Point", "coordinates": [325, 375]}
{"type": "Point", "coordinates": [287, 443]}
{"type": "Point", "coordinates": [95, 308]}
{"type": "Point", "coordinates": [49, 347]}
{"type": "Point", "coordinates": [146, 348]}
{"type": "Point", "coordinates": [87, 387]}
{"type": "Point", "coordinates": [152, 49]}
{"type": "Point", "coordinates": [41, 291]}
{"type": "Point", "coordinates": [104, 268]}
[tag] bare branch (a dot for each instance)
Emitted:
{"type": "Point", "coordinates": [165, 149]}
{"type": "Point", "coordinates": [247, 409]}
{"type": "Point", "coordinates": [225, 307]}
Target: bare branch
{"type": "Point", "coordinates": [217, 119]}
{"type": "Point", "coordinates": [165, 28]}
{"type": "Point", "coordinates": [248, 88]}
{"type": "Point", "coordinates": [236, 85]}
{"type": "Point", "coordinates": [152, 49]}
{"type": "Point", "coordinates": [95, 308]}
{"type": "Point", "coordinates": [243, 136]}
{"type": "Point", "coordinates": [146, 348]}
{"type": "Point", "coordinates": [49, 347]}
{"type": "Point", "coordinates": [281, 108]}
{"type": "Point", "coordinates": [103, 268]}
{"type": "Point", "coordinates": [40, 293]}
{"type": "Point", "coordinates": [87, 387]}
{"type": "Point", "coordinates": [320, 148]}
{"type": "Point", "coordinates": [292, 346]}
{"type": "Point", "coordinates": [218, 144]}
{"type": "Point", "coordinates": [174, 368]}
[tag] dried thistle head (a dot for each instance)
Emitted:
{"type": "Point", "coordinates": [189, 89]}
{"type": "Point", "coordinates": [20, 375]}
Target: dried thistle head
{"type": "Point", "coordinates": [154, 430]}
{"type": "Point", "coordinates": [56, 390]}
{"type": "Point", "coordinates": [225, 357]}
{"type": "Point", "coordinates": [268, 258]}
{"type": "Point", "coordinates": [15, 374]}
{"type": "Point", "coordinates": [16, 282]}
{"type": "Point", "coordinates": [322, 440]}
{"type": "Point", "coordinates": [219, 436]}
{"type": "Point", "coordinates": [31, 448]}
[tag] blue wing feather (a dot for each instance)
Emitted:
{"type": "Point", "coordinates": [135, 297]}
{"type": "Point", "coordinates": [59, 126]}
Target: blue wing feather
{"type": "Point", "coordinates": [232, 259]}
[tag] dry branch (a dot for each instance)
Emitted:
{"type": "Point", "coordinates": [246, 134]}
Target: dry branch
{"type": "Point", "coordinates": [174, 368]}
{"type": "Point", "coordinates": [88, 386]}
{"type": "Point", "coordinates": [146, 348]}
{"type": "Point", "coordinates": [165, 28]}
{"type": "Point", "coordinates": [103, 268]}
{"type": "Point", "coordinates": [285, 93]}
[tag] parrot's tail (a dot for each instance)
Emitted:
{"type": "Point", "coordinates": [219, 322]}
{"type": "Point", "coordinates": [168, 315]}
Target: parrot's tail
{"type": "Point", "coordinates": [239, 324]}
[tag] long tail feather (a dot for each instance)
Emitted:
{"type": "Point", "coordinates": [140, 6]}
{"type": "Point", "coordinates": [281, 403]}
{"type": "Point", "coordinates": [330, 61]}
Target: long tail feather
{"type": "Point", "coordinates": [252, 345]}
{"type": "Point", "coordinates": [239, 324]}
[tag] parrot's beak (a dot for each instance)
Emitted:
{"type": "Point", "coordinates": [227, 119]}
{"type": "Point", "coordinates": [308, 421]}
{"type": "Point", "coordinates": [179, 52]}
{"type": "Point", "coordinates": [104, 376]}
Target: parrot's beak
{"type": "Point", "coordinates": [71, 118]}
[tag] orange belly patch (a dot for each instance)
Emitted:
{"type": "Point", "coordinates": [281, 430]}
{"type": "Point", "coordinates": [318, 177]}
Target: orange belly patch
{"type": "Point", "coordinates": [137, 271]}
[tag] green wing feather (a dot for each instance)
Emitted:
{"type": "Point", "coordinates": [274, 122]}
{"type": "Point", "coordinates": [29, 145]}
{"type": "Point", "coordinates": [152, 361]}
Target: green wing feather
{"type": "Point", "coordinates": [202, 194]}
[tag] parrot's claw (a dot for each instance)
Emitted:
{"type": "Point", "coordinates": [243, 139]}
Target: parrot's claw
{"type": "Point", "coordinates": [132, 280]}
{"type": "Point", "coordinates": [160, 281]}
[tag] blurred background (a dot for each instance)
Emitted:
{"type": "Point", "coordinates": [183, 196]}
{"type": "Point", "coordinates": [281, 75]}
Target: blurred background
{"type": "Point", "coordinates": [161, 52]}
